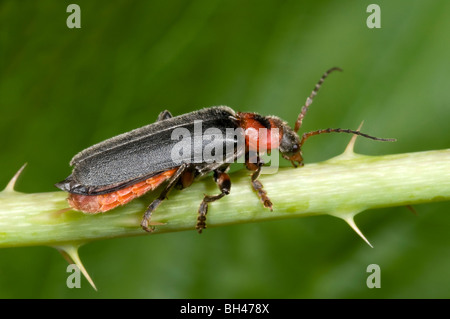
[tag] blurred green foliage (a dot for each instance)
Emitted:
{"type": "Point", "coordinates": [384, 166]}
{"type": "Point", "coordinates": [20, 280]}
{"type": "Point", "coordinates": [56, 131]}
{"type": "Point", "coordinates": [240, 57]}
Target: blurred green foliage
{"type": "Point", "coordinates": [63, 89]}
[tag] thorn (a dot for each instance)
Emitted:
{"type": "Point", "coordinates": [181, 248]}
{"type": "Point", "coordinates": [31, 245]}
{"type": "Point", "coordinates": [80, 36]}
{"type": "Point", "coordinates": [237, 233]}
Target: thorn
{"type": "Point", "coordinates": [347, 216]}
{"type": "Point", "coordinates": [12, 182]}
{"type": "Point", "coordinates": [352, 224]}
{"type": "Point", "coordinates": [70, 253]}
{"type": "Point", "coordinates": [412, 209]}
{"type": "Point", "coordinates": [351, 144]}
{"type": "Point", "coordinates": [65, 255]}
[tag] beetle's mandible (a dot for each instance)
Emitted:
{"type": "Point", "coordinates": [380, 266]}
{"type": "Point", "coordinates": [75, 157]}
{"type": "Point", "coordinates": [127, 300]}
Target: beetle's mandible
{"type": "Point", "coordinates": [122, 168]}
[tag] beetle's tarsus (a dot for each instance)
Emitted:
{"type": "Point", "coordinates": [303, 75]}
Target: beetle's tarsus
{"type": "Point", "coordinates": [145, 225]}
{"type": "Point", "coordinates": [148, 215]}
{"type": "Point", "coordinates": [257, 185]}
{"type": "Point", "coordinates": [262, 194]}
{"type": "Point", "coordinates": [201, 219]}
{"type": "Point", "coordinates": [172, 181]}
{"type": "Point", "coordinates": [203, 210]}
{"type": "Point", "coordinates": [223, 181]}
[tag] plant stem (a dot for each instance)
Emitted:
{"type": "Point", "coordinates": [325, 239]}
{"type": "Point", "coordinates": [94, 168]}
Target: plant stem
{"type": "Point", "coordinates": [342, 186]}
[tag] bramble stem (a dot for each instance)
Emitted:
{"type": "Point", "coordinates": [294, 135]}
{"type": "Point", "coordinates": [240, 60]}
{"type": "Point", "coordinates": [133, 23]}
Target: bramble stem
{"type": "Point", "coordinates": [342, 186]}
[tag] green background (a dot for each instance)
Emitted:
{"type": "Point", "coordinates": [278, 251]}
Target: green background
{"type": "Point", "coordinates": [63, 89]}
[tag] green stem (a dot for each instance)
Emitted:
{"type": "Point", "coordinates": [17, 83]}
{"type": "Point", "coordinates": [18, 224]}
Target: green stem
{"type": "Point", "coordinates": [342, 186]}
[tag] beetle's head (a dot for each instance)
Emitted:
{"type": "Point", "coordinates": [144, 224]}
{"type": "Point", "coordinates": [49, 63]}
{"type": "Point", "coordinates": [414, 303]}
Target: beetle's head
{"type": "Point", "coordinates": [289, 144]}
{"type": "Point", "coordinates": [290, 147]}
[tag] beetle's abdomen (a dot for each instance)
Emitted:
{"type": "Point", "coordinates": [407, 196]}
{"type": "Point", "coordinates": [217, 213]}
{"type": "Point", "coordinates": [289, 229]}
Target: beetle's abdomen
{"type": "Point", "coordinates": [102, 203]}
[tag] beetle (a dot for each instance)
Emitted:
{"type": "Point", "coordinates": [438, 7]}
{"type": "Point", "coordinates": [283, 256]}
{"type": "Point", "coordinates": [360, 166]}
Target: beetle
{"type": "Point", "coordinates": [114, 172]}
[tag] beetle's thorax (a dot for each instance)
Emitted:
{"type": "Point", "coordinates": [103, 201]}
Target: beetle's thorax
{"type": "Point", "coordinates": [270, 132]}
{"type": "Point", "coordinates": [262, 133]}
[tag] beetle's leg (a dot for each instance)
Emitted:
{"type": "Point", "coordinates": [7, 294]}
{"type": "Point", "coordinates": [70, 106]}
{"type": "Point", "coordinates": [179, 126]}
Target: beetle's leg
{"type": "Point", "coordinates": [186, 179]}
{"type": "Point", "coordinates": [223, 181]}
{"type": "Point", "coordinates": [172, 181]}
{"type": "Point", "coordinates": [254, 163]}
{"type": "Point", "coordinates": [164, 115]}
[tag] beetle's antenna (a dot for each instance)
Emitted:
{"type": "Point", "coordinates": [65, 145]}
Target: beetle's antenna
{"type": "Point", "coordinates": [310, 98]}
{"type": "Point", "coordinates": [307, 135]}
